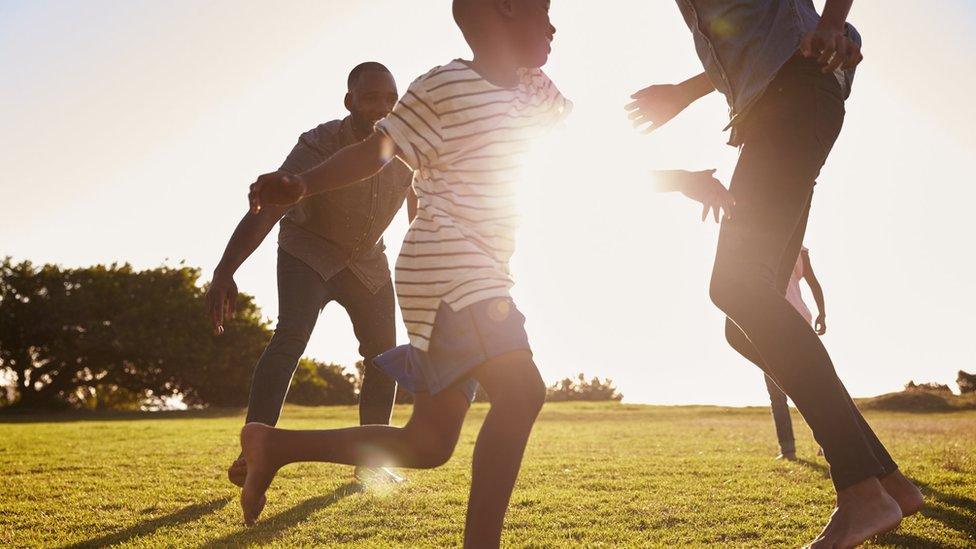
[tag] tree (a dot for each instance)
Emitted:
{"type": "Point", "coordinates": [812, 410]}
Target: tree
{"type": "Point", "coordinates": [113, 336]}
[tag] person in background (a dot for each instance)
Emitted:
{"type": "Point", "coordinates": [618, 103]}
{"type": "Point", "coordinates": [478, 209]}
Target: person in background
{"type": "Point", "coordinates": [330, 248]}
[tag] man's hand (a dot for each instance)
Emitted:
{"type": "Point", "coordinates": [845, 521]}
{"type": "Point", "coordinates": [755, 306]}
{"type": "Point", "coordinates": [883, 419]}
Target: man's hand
{"type": "Point", "coordinates": [656, 105]}
{"type": "Point", "coordinates": [276, 188]}
{"type": "Point", "coordinates": [221, 300]}
{"type": "Point", "coordinates": [820, 326]}
{"type": "Point", "coordinates": [832, 48]}
{"type": "Point", "coordinates": [703, 187]}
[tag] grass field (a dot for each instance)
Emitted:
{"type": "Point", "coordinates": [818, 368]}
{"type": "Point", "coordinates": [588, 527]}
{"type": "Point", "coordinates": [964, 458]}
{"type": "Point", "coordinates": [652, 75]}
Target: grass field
{"type": "Point", "coordinates": [595, 475]}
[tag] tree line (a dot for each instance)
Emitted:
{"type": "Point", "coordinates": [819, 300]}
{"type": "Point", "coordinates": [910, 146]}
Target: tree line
{"type": "Point", "coordinates": [114, 337]}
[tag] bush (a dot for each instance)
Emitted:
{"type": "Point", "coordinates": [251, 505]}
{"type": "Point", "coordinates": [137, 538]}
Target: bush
{"type": "Point", "coordinates": [579, 389]}
{"type": "Point", "coordinates": [967, 382]}
{"type": "Point", "coordinates": [318, 384]}
{"type": "Point", "coordinates": [930, 387]}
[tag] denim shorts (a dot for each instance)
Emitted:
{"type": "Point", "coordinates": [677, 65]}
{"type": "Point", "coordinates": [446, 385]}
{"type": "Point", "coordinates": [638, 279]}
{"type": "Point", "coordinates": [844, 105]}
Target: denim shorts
{"type": "Point", "coordinates": [460, 342]}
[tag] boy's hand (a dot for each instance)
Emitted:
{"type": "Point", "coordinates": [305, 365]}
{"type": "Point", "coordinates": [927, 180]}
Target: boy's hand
{"type": "Point", "coordinates": [703, 187]}
{"type": "Point", "coordinates": [221, 300]}
{"type": "Point", "coordinates": [276, 188]}
{"type": "Point", "coordinates": [657, 104]}
{"type": "Point", "coordinates": [820, 325]}
{"type": "Point", "coordinates": [832, 48]}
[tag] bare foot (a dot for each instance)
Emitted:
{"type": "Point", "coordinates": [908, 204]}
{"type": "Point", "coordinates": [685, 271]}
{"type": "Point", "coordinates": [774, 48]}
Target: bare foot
{"type": "Point", "coordinates": [260, 470]}
{"type": "Point", "coordinates": [863, 511]}
{"type": "Point", "coordinates": [237, 471]}
{"type": "Point", "coordinates": [788, 456]}
{"type": "Point", "coordinates": [908, 496]}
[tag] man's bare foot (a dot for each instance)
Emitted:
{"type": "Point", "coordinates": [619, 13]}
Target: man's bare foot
{"type": "Point", "coordinates": [863, 511]}
{"type": "Point", "coordinates": [906, 494]}
{"type": "Point", "coordinates": [260, 470]}
{"type": "Point", "coordinates": [237, 471]}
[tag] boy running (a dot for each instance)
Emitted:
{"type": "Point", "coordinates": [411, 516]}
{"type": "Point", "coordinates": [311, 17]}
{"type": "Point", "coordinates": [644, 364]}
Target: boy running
{"type": "Point", "coordinates": [464, 129]}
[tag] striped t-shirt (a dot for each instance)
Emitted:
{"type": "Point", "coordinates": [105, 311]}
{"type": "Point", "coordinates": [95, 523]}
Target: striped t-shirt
{"type": "Point", "coordinates": [466, 140]}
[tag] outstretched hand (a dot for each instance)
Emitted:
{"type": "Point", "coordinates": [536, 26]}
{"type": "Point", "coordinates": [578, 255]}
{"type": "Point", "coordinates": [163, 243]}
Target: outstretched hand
{"type": "Point", "coordinates": [656, 105]}
{"type": "Point", "coordinates": [276, 188]}
{"type": "Point", "coordinates": [705, 188]}
{"type": "Point", "coordinates": [221, 301]}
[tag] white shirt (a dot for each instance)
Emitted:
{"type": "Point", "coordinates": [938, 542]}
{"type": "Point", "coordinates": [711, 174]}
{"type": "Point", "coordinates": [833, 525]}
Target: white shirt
{"type": "Point", "coordinates": [466, 140]}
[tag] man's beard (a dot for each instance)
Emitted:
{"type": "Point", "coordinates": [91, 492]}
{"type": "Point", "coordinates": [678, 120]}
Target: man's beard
{"type": "Point", "coordinates": [362, 126]}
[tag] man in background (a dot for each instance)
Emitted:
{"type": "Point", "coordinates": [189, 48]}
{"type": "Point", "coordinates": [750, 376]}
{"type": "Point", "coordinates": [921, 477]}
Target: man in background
{"type": "Point", "coordinates": [330, 248]}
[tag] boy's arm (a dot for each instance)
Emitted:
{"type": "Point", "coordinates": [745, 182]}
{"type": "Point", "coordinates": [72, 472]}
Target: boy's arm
{"type": "Point", "coordinates": [816, 290]}
{"type": "Point", "coordinates": [658, 104]}
{"type": "Point", "coordinates": [250, 232]}
{"type": "Point", "coordinates": [411, 204]}
{"type": "Point", "coordinates": [346, 167]}
{"type": "Point", "coordinates": [699, 186]}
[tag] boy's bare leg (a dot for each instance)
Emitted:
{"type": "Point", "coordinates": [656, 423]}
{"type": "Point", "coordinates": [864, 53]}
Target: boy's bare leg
{"type": "Point", "coordinates": [517, 393]}
{"type": "Point", "coordinates": [863, 511]}
{"type": "Point", "coordinates": [426, 441]}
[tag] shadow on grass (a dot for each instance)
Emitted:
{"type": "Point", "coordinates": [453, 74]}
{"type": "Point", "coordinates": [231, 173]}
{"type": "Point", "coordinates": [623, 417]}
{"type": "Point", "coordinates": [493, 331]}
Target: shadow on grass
{"type": "Point", "coordinates": [955, 512]}
{"type": "Point", "coordinates": [908, 541]}
{"type": "Point", "coordinates": [185, 515]}
{"type": "Point", "coordinates": [18, 416]}
{"type": "Point", "coordinates": [267, 530]}
{"type": "Point", "coordinates": [815, 466]}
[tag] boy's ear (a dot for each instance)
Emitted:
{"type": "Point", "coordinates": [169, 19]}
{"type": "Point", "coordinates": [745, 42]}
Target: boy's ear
{"type": "Point", "coordinates": [347, 101]}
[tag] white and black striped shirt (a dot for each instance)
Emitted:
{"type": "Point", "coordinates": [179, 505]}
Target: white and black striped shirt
{"type": "Point", "coordinates": [466, 140]}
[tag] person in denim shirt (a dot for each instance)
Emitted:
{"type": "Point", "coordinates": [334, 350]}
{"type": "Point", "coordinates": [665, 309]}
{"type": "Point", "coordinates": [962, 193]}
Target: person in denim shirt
{"type": "Point", "coordinates": [785, 72]}
{"type": "Point", "coordinates": [330, 248]}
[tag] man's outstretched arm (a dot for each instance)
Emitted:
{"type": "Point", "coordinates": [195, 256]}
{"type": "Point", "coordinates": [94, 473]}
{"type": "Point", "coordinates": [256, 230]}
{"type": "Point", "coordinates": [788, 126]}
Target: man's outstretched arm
{"type": "Point", "coordinates": [656, 105]}
{"type": "Point", "coordinates": [701, 187]}
{"type": "Point", "coordinates": [350, 165]}
{"type": "Point", "coordinates": [250, 232]}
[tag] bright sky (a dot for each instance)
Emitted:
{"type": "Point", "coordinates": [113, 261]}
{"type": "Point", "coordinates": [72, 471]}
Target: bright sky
{"type": "Point", "coordinates": [129, 131]}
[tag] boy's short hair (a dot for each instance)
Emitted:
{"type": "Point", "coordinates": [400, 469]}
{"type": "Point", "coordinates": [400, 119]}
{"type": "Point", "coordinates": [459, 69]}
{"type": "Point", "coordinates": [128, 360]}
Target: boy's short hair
{"type": "Point", "coordinates": [461, 9]}
{"type": "Point", "coordinates": [368, 66]}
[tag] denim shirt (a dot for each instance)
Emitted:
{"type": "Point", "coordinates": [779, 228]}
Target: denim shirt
{"type": "Point", "coordinates": [744, 43]}
{"type": "Point", "coordinates": [343, 228]}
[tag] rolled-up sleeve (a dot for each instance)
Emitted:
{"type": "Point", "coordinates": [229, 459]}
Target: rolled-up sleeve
{"type": "Point", "coordinates": [414, 127]}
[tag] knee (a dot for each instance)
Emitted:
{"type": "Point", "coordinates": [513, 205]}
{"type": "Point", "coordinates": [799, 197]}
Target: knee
{"type": "Point", "coordinates": [524, 401]}
{"type": "Point", "coordinates": [432, 449]}
{"type": "Point", "coordinates": [729, 291]}
{"type": "Point", "coordinates": [289, 339]}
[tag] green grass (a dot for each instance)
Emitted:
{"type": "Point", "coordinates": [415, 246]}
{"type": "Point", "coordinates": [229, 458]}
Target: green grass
{"type": "Point", "coordinates": [595, 475]}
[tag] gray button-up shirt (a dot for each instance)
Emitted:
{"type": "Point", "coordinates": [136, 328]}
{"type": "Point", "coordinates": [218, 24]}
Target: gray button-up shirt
{"type": "Point", "coordinates": [342, 228]}
{"type": "Point", "coordinates": [744, 43]}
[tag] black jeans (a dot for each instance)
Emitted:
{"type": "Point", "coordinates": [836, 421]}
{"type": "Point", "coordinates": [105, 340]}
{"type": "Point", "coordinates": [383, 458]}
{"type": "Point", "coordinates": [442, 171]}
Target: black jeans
{"type": "Point", "coordinates": [785, 142]}
{"type": "Point", "coordinates": [781, 417]}
{"type": "Point", "coordinates": [302, 294]}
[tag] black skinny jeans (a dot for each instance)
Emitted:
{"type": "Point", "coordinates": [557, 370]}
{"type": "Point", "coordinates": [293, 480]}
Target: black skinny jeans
{"type": "Point", "coordinates": [785, 142]}
{"type": "Point", "coordinates": [302, 294]}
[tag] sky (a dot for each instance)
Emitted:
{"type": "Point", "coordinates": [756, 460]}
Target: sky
{"type": "Point", "coordinates": [129, 132]}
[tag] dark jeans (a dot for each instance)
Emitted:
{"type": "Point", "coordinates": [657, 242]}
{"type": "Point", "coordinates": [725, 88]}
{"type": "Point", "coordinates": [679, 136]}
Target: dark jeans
{"type": "Point", "coordinates": [302, 294]}
{"type": "Point", "coordinates": [781, 417]}
{"type": "Point", "coordinates": [786, 141]}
